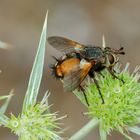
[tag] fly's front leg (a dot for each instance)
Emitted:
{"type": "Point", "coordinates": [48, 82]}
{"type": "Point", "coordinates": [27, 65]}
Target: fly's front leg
{"type": "Point", "coordinates": [112, 71]}
{"type": "Point", "coordinates": [101, 74]}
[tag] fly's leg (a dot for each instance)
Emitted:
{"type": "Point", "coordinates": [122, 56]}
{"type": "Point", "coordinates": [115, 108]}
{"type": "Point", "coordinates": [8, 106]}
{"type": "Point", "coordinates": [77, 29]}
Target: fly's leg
{"type": "Point", "coordinates": [97, 85]}
{"type": "Point", "coordinates": [85, 96]}
{"type": "Point", "coordinates": [91, 74]}
{"type": "Point", "coordinates": [111, 71]}
{"type": "Point", "coordinates": [100, 74]}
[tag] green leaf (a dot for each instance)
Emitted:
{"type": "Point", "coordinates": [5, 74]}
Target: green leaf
{"type": "Point", "coordinates": [4, 119]}
{"type": "Point", "coordinates": [5, 105]}
{"type": "Point", "coordinates": [4, 97]}
{"type": "Point", "coordinates": [85, 130]}
{"type": "Point", "coordinates": [37, 70]}
{"type": "Point", "coordinates": [135, 129]}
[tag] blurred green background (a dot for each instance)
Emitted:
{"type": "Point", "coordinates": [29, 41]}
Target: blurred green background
{"type": "Point", "coordinates": [85, 21]}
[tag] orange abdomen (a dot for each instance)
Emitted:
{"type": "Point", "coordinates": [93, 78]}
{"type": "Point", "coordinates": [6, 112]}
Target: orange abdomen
{"type": "Point", "coordinates": [67, 66]}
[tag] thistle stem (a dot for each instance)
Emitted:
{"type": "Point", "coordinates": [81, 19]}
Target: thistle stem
{"type": "Point", "coordinates": [103, 135]}
{"type": "Point", "coordinates": [84, 131]}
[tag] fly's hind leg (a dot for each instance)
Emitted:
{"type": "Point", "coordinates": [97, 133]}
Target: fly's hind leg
{"type": "Point", "coordinates": [97, 85]}
{"type": "Point", "coordinates": [85, 96]}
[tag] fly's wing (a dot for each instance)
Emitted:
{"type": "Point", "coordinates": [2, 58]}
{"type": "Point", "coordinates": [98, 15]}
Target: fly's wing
{"type": "Point", "coordinates": [64, 44]}
{"type": "Point", "coordinates": [74, 78]}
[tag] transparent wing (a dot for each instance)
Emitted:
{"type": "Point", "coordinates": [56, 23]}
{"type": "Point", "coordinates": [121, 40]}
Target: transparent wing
{"type": "Point", "coordinates": [64, 44]}
{"type": "Point", "coordinates": [74, 78]}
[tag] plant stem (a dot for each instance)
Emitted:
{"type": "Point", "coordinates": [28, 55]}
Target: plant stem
{"type": "Point", "coordinates": [135, 129]}
{"type": "Point", "coordinates": [85, 130]}
{"type": "Point", "coordinates": [103, 135]}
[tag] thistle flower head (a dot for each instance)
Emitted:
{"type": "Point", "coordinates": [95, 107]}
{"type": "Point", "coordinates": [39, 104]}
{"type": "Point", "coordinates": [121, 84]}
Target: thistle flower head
{"type": "Point", "coordinates": [36, 123]}
{"type": "Point", "coordinates": [121, 109]}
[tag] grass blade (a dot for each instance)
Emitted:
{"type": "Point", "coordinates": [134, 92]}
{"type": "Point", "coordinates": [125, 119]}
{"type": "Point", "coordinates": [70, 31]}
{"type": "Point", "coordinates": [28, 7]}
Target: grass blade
{"type": "Point", "coordinates": [37, 70]}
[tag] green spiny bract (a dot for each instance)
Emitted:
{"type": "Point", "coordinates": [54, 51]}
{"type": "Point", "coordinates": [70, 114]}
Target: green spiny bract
{"type": "Point", "coordinates": [35, 124]}
{"type": "Point", "coordinates": [121, 109]}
